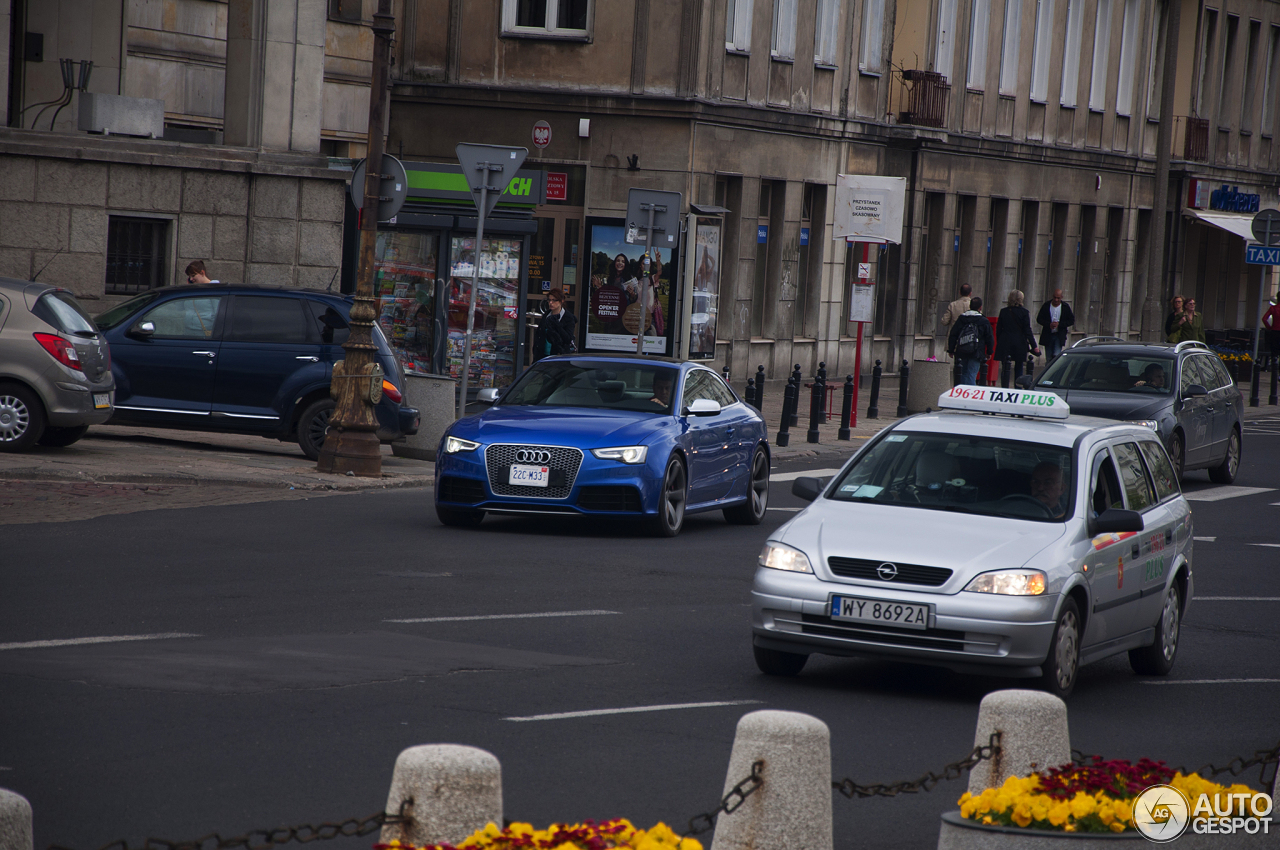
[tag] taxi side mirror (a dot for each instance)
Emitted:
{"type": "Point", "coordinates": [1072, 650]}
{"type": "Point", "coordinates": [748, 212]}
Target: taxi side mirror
{"type": "Point", "coordinates": [1115, 520]}
{"type": "Point", "coordinates": [807, 488]}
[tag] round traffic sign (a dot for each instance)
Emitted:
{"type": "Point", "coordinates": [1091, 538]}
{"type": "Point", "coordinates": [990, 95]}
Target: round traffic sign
{"type": "Point", "coordinates": [1266, 227]}
{"type": "Point", "coordinates": [541, 134]}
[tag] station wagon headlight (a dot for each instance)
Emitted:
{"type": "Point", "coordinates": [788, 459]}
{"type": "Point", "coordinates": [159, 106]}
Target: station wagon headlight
{"type": "Point", "coordinates": [626, 454]}
{"type": "Point", "coordinates": [453, 445]}
{"type": "Point", "coordinates": [779, 557]}
{"type": "Point", "coordinates": [1009, 583]}
{"type": "Point", "coordinates": [1146, 423]}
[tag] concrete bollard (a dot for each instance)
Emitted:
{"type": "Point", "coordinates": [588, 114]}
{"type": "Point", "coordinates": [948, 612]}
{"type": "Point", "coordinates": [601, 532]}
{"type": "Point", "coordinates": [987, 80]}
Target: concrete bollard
{"type": "Point", "coordinates": [1033, 736]}
{"type": "Point", "coordinates": [456, 790]}
{"type": "Point", "coordinates": [792, 809]}
{"type": "Point", "coordinates": [15, 822]}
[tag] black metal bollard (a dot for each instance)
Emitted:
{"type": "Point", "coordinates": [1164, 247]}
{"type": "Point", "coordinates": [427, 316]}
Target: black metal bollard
{"type": "Point", "coordinates": [873, 409]}
{"type": "Point", "coordinates": [725, 373]}
{"type": "Point", "coordinates": [750, 397]}
{"type": "Point", "coordinates": [1006, 368]}
{"type": "Point", "coordinates": [1254, 380]}
{"type": "Point", "coordinates": [956, 372]}
{"type": "Point", "coordinates": [815, 410]}
{"type": "Point", "coordinates": [821, 377]}
{"type": "Point", "coordinates": [846, 409]}
{"type": "Point", "coordinates": [904, 375]}
{"type": "Point", "coordinates": [797, 378]}
{"type": "Point", "coordinates": [788, 405]}
{"type": "Point", "coordinates": [1275, 369]}
{"type": "Point", "coordinates": [760, 388]}
{"type": "Point", "coordinates": [1031, 367]}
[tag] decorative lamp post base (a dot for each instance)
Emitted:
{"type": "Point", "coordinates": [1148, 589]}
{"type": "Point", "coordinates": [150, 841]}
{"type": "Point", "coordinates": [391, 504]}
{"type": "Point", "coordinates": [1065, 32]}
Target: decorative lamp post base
{"type": "Point", "coordinates": [355, 452]}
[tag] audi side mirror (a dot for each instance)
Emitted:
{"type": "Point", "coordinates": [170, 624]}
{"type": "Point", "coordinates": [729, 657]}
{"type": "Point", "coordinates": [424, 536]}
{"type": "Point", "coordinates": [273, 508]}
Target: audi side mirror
{"type": "Point", "coordinates": [489, 395]}
{"type": "Point", "coordinates": [1115, 521]}
{"type": "Point", "coordinates": [807, 488]}
{"type": "Point", "coordinates": [1194, 391]}
{"type": "Point", "coordinates": [703, 407]}
{"type": "Point", "coordinates": [143, 329]}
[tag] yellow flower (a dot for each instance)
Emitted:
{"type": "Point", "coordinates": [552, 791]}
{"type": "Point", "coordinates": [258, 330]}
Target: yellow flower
{"type": "Point", "coordinates": [1116, 826]}
{"type": "Point", "coordinates": [1106, 813]}
{"type": "Point", "coordinates": [1039, 810]}
{"type": "Point", "coordinates": [1022, 814]}
{"type": "Point", "coordinates": [987, 819]}
{"type": "Point", "coordinates": [1071, 827]}
{"type": "Point", "coordinates": [1002, 803]}
{"type": "Point", "coordinates": [1058, 814]}
{"type": "Point", "coordinates": [1124, 811]}
{"type": "Point", "coordinates": [964, 798]}
{"type": "Point", "coordinates": [1082, 805]}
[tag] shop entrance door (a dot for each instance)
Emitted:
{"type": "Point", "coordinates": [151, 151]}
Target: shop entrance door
{"type": "Point", "coordinates": [555, 255]}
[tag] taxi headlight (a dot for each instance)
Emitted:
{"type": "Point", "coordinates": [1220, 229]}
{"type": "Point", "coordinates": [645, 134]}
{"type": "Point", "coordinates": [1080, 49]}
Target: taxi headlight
{"type": "Point", "coordinates": [1009, 583]}
{"type": "Point", "coordinates": [1147, 423]}
{"type": "Point", "coordinates": [779, 557]}
{"type": "Point", "coordinates": [626, 454]}
{"type": "Point", "coordinates": [453, 445]}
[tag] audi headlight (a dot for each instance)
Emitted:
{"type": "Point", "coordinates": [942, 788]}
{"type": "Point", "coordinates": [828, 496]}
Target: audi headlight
{"type": "Point", "coordinates": [779, 557]}
{"type": "Point", "coordinates": [453, 445]}
{"type": "Point", "coordinates": [626, 454]}
{"type": "Point", "coordinates": [1146, 423]}
{"type": "Point", "coordinates": [1009, 583]}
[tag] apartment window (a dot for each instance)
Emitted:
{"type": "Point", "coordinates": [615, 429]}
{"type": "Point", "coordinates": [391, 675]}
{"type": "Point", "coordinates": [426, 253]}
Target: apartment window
{"type": "Point", "coordinates": [1040, 51]}
{"type": "Point", "coordinates": [945, 47]}
{"type": "Point", "coordinates": [1009, 43]}
{"type": "Point", "coordinates": [870, 54]}
{"type": "Point", "coordinates": [1250, 74]}
{"type": "Point", "coordinates": [737, 32]}
{"type": "Point", "coordinates": [137, 250]}
{"type": "Point", "coordinates": [1071, 52]}
{"type": "Point", "coordinates": [1226, 74]}
{"type": "Point", "coordinates": [764, 228]}
{"type": "Point", "coordinates": [1269, 82]}
{"type": "Point", "coordinates": [783, 44]}
{"type": "Point", "coordinates": [826, 35]}
{"type": "Point", "coordinates": [1101, 56]}
{"type": "Point", "coordinates": [979, 24]}
{"type": "Point", "coordinates": [346, 10]}
{"type": "Point", "coordinates": [1210, 31]}
{"type": "Point", "coordinates": [1155, 68]}
{"type": "Point", "coordinates": [555, 18]}
{"type": "Point", "coordinates": [1128, 56]}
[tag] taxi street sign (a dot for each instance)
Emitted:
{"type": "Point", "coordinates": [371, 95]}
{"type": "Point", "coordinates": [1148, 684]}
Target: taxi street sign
{"type": "Point", "coordinates": [1261, 255]}
{"type": "Point", "coordinates": [1032, 403]}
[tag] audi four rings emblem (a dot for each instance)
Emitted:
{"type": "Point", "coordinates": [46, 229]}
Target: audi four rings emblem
{"type": "Point", "coordinates": [888, 572]}
{"type": "Point", "coordinates": [539, 456]}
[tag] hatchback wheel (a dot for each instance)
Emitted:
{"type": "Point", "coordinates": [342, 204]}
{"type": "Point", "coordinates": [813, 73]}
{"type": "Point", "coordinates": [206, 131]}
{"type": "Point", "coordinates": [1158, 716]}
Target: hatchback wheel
{"type": "Point", "coordinates": [59, 437]}
{"type": "Point", "coordinates": [312, 426]}
{"type": "Point", "coordinates": [1063, 663]}
{"type": "Point", "coordinates": [1157, 659]}
{"type": "Point", "coordinates": [751, 512]}
{"type": "Point", "coordinates": [1225, 472]}
{"type": "Point", "coordinates": [773, 662]}
{"type": "Point", "coordinates": [21, 418]}
{"type": "Point", "coordinates": [671, 500]}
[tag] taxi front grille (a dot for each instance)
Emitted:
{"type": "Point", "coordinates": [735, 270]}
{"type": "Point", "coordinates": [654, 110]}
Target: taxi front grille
{"type": "Point", "coordinates": [943, 639]}
{"type": "Point", "coordinates": [906, 573]}
{"type": "Point", "coordinates": [499, 457]}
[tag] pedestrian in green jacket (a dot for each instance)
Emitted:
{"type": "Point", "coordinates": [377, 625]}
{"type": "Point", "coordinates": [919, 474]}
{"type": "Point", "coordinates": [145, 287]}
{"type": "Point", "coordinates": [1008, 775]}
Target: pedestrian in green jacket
{"type": "Point", "coordinates": [1188, 326]}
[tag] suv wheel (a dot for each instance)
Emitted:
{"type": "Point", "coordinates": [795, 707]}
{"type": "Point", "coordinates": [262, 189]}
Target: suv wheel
{"type": "Point", "coordinates": [1225, 472]}
{"type": "Point", "coordinates": [312, 426]}
{"type": "Point", "coordinates": [59, 437]}
{"type": "Point", "coordinates": [21, 418]}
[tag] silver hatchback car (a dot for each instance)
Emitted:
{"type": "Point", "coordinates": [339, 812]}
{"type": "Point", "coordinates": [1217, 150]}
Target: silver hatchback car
{"type": "Point", "coordinates": [55, 368]}
{"type": "Point", "coordinates": [1000, 535]}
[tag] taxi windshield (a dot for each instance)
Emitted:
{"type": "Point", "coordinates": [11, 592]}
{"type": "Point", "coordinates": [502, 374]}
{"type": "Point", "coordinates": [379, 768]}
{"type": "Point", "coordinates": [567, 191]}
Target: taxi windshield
{"type": "Point", "coordinates": [949, 472]}
{"type": "Point", "coordinates": [1110, 373]}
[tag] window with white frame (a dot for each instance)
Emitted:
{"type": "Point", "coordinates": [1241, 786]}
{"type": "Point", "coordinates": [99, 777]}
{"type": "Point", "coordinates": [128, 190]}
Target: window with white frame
{"type": "Point", "coordinates": [783, 43]}
{"type": "Point", "coordinates": [826, 35]}
{"type": "Point", "coordinates": [1155, 60]}
{"type": "Point", "coordinates": [1071, 52]}
{"type": "Point", "coordinates": [1128, 56]}
{"type": "Point", "coordinates": [871, 51]}
{"type": "Point", "coordinates": [737, 28]}
{"type": "Point", "coordinates": [1101, 56]}
{"type": "Point", "coordinates": [1040, 50]}
{"type": "Point", "coordinates": [551, 18]}
{"type": "Point", "coordinates": [1009, 44]}
{"type": "Point", "coordinates": [945, 47]}
{"type": "Point", "coordinates": [979, 24]}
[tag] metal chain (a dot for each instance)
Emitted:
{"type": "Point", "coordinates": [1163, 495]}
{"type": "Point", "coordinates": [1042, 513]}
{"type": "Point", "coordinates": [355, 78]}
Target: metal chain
{"type": "Point", "coordinates": [1239, 764]}
{"type": "Point", "coordinates": [737, 795]}
{"type": "Point", "coordinates": [955, 770]}
{"type": "Point", "coordinates": [266, 839]}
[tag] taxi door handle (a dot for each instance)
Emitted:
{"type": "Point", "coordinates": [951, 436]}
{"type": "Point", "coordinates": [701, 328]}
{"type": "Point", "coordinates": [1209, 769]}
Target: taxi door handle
{"type": "Point", "coordinates": [1137, 550]}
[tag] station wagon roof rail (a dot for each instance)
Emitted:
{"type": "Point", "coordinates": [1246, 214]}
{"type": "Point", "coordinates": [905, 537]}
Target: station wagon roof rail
{"type": "Point", "coordinates": [1094, 340]}
{"type": "Point", "coordinates": [1191, 343]}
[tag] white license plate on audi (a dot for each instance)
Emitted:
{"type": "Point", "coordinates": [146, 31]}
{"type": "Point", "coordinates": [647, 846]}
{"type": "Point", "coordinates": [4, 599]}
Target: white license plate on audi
{"type": "Point", "coordinates": [905, 615]}
{"type": "Point", "coordinates": [101, 400]}
{"type": "Point", "coordinates": [527, 475]}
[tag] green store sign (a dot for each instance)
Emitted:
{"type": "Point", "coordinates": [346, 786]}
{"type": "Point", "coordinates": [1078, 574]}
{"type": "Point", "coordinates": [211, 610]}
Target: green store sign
{"type": "Point", "coordinates": [444, 183]}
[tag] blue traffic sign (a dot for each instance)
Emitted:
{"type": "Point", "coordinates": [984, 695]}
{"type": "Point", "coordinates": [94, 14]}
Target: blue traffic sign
{"type": "Point", "coordinates": [1261, 255]}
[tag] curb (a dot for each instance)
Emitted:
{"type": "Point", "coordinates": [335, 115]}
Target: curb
{"type": "Point", "coordinates": [345, 484]}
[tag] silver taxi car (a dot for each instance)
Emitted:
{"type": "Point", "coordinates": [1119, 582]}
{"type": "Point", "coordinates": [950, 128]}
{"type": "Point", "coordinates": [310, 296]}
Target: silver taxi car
{"type": "Point", "coordinates": [1000, 535]}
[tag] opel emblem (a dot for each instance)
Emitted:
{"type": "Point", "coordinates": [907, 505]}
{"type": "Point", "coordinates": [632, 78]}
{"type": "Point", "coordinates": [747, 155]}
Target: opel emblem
{"type": "Point", "coordinates": [888, 572]}
{"type": "Point", "coordinates": [538, 456]}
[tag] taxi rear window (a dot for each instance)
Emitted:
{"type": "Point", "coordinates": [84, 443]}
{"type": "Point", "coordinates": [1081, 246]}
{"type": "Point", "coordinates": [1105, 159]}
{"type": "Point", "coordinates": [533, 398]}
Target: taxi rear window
{"type": "Point", "coordinates": [977, 475]}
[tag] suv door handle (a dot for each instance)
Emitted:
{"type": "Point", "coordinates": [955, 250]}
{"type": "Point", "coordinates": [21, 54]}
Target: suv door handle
{"type": "Point", "coordinates": [205, 353]}
{"type": "Point", "coordinates": [307, 358]}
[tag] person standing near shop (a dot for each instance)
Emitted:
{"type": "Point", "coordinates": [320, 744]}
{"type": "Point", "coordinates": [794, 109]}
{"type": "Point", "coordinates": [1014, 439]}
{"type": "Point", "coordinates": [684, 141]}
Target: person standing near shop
{"type": "Point", "coordinates": [970, 341]}
{"type": "Point", "coordinates": [1014, 337]}
{"type": "Point", "coordinates": [1189, 326]}
{"type": "Point", "coordinates": [1055, 320]}
{"type": "Point", "coordinates": [1176, 304]}
{"type": "Point", "coordinates": [557, 326]}
{"type": "Point", "coordinates": [956, 308]}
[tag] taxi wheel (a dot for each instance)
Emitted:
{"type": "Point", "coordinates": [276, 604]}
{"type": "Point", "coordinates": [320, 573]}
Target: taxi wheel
{"type": "Point", "coordinates": [751, 512]}
{"type": "Point", "coordinates": [459, 518]}
{"type": "Point", "coordinates": [1177, 453]}
{"type": "Point", "coordinates": [1157, 659]}
{"type": "Point", "coordinates": [59, 437]}
{"type": "Point", "coordinates": [1063, 663]}
{"type": "Point", "coordinates": [773, 662]}
{"type": "Point", "coordinates": [1225, 472]}
{"type": "Point", "coordinates": [671, 500]}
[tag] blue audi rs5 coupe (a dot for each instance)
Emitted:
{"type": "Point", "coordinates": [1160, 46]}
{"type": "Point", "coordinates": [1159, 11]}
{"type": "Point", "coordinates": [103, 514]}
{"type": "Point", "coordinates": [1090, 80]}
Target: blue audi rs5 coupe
{"type": "Point", "coordinates": [607, 435]}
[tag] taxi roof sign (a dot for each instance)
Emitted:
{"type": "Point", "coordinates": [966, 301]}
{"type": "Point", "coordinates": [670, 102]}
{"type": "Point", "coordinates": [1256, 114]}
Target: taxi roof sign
{"type": "Point", "coordinates": [1031, 403]}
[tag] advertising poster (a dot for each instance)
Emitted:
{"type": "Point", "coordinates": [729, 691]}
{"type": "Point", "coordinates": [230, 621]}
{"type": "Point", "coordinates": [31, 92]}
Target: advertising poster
{"type": "Point", "coordinates": [614, 313]}
{"type": "Point", "coordinates": [706, 292]}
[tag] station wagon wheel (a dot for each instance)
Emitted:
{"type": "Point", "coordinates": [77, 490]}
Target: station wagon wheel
{"type": "Point", "coordinates": [21, 418]}
{"type": "Point", "coordinates": [751, 512]}
{"type": "Point", "coordinates": [1157, 659]}
{"type": "Point", "coordinates": [1177, 453]}
{"type": "Point", "coordinates": [671, 500]}
{"type": "Point", "coordinates": [1063, 662]}
{"type": "Point", "coordinates": [1225, 473]}
{"type": "Point", "coordinates": [312, 426]}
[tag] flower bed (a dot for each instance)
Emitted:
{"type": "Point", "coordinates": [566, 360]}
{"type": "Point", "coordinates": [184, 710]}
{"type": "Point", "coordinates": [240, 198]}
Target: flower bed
{"type": "Point", "coordinates": [588, 835]}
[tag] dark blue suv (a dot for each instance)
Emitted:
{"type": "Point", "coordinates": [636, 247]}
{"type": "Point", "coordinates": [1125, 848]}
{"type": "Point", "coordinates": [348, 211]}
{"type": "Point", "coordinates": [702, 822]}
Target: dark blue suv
{"type": "Point", "coordinates": [244, 359]}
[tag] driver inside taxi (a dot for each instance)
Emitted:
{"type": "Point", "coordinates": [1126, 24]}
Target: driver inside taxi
{"type": "Point", "coordinates": [1046, 487]}
{"type": "Point", "coordinates": [661, 389]}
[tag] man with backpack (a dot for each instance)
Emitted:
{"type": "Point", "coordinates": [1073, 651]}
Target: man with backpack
{"type": "Point", "coordinates": [971, 342]}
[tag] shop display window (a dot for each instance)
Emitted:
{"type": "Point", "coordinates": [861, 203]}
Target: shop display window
{"type": "Point", "coordinates": [405, 286]}
{"type": "Point", "coordinates": [493, 341]}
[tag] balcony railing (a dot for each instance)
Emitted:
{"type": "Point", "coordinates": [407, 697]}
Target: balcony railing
{"type": "Point", "coordinates": [925, 94]}
{"type": "Point", "coordinates": [1195, 138]}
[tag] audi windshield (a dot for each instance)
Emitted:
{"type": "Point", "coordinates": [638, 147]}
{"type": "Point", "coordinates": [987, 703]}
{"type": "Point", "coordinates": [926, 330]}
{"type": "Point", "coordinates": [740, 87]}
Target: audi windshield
{"type": "Point", "coordinates": [586, 383]}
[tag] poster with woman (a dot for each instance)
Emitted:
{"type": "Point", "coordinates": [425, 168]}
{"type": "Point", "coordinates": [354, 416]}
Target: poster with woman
{"type": "Point", "coordinates": [706, 292]}
{"type": "Point", "coordinates": [615, 312]}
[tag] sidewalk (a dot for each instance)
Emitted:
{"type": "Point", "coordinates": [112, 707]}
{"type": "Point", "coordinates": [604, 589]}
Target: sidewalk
{"type": "Point", "coordinates": [828, 430]}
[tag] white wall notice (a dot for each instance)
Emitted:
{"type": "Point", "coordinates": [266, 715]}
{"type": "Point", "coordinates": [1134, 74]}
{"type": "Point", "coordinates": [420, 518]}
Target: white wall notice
{"type": "Point", "coordinates": [869, 208]}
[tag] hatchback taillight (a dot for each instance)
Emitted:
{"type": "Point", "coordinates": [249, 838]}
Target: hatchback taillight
{"type": "Point", "coordinates": [389, 390]}
{"type": "Point", "coordinates": [59, 349]}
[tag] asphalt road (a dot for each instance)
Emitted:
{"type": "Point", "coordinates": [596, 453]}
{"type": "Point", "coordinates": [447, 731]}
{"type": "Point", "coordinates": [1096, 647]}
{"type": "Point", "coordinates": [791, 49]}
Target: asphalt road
{"type": "Point", "coordinates": [294, 693]}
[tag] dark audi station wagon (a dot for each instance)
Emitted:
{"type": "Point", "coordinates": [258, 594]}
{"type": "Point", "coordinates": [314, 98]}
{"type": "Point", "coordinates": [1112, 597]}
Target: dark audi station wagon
{"type": "Point", "coordinates": [244, 359]}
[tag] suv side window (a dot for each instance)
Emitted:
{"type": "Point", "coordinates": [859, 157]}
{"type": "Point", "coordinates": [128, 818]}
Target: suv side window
{"type": "Point", "coordinates": [263, 318]}
{"type": "Point", "coordinates": [1196, 370]}
{"type": "Point", "coordinates": [185, 318]}
{"type": "Point", "coordinates": [1161, 470]}
{"type": "Point", "coordinates": [331, 328]}
{"type": "Point", "coordinates": [1137, 487]}
{"type": "Point", "coordinates": [1214, 365]}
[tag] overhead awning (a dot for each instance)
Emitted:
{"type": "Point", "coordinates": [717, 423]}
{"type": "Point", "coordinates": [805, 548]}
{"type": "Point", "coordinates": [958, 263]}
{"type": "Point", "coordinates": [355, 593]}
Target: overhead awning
{"type": "Point", "coordinates": [1237, 224]}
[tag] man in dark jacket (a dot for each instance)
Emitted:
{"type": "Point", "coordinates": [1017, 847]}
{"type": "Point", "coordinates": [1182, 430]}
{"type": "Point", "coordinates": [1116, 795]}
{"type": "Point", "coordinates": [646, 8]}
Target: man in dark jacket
{"type": "Point", "coordinates": [556, 328]}
{"type": "Point", "coordinates": [1055, 320]}
{"type": "Point", "coordinates": [971, 342]}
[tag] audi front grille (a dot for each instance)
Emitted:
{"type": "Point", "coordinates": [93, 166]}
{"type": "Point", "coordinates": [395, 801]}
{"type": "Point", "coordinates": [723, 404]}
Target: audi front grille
{"type": "Point", "coordinates": [498, 459]}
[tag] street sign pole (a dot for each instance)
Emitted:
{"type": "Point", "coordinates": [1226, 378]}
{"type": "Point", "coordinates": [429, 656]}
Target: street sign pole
{"type": "Point", "coordinates": [645, 307]}
{"type": "Point", "coordinates": [662, 210]}
{"type": "Point", "coordinates": [1266, 229]}
{"type": "Point", "coordinates": [475, 285]}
